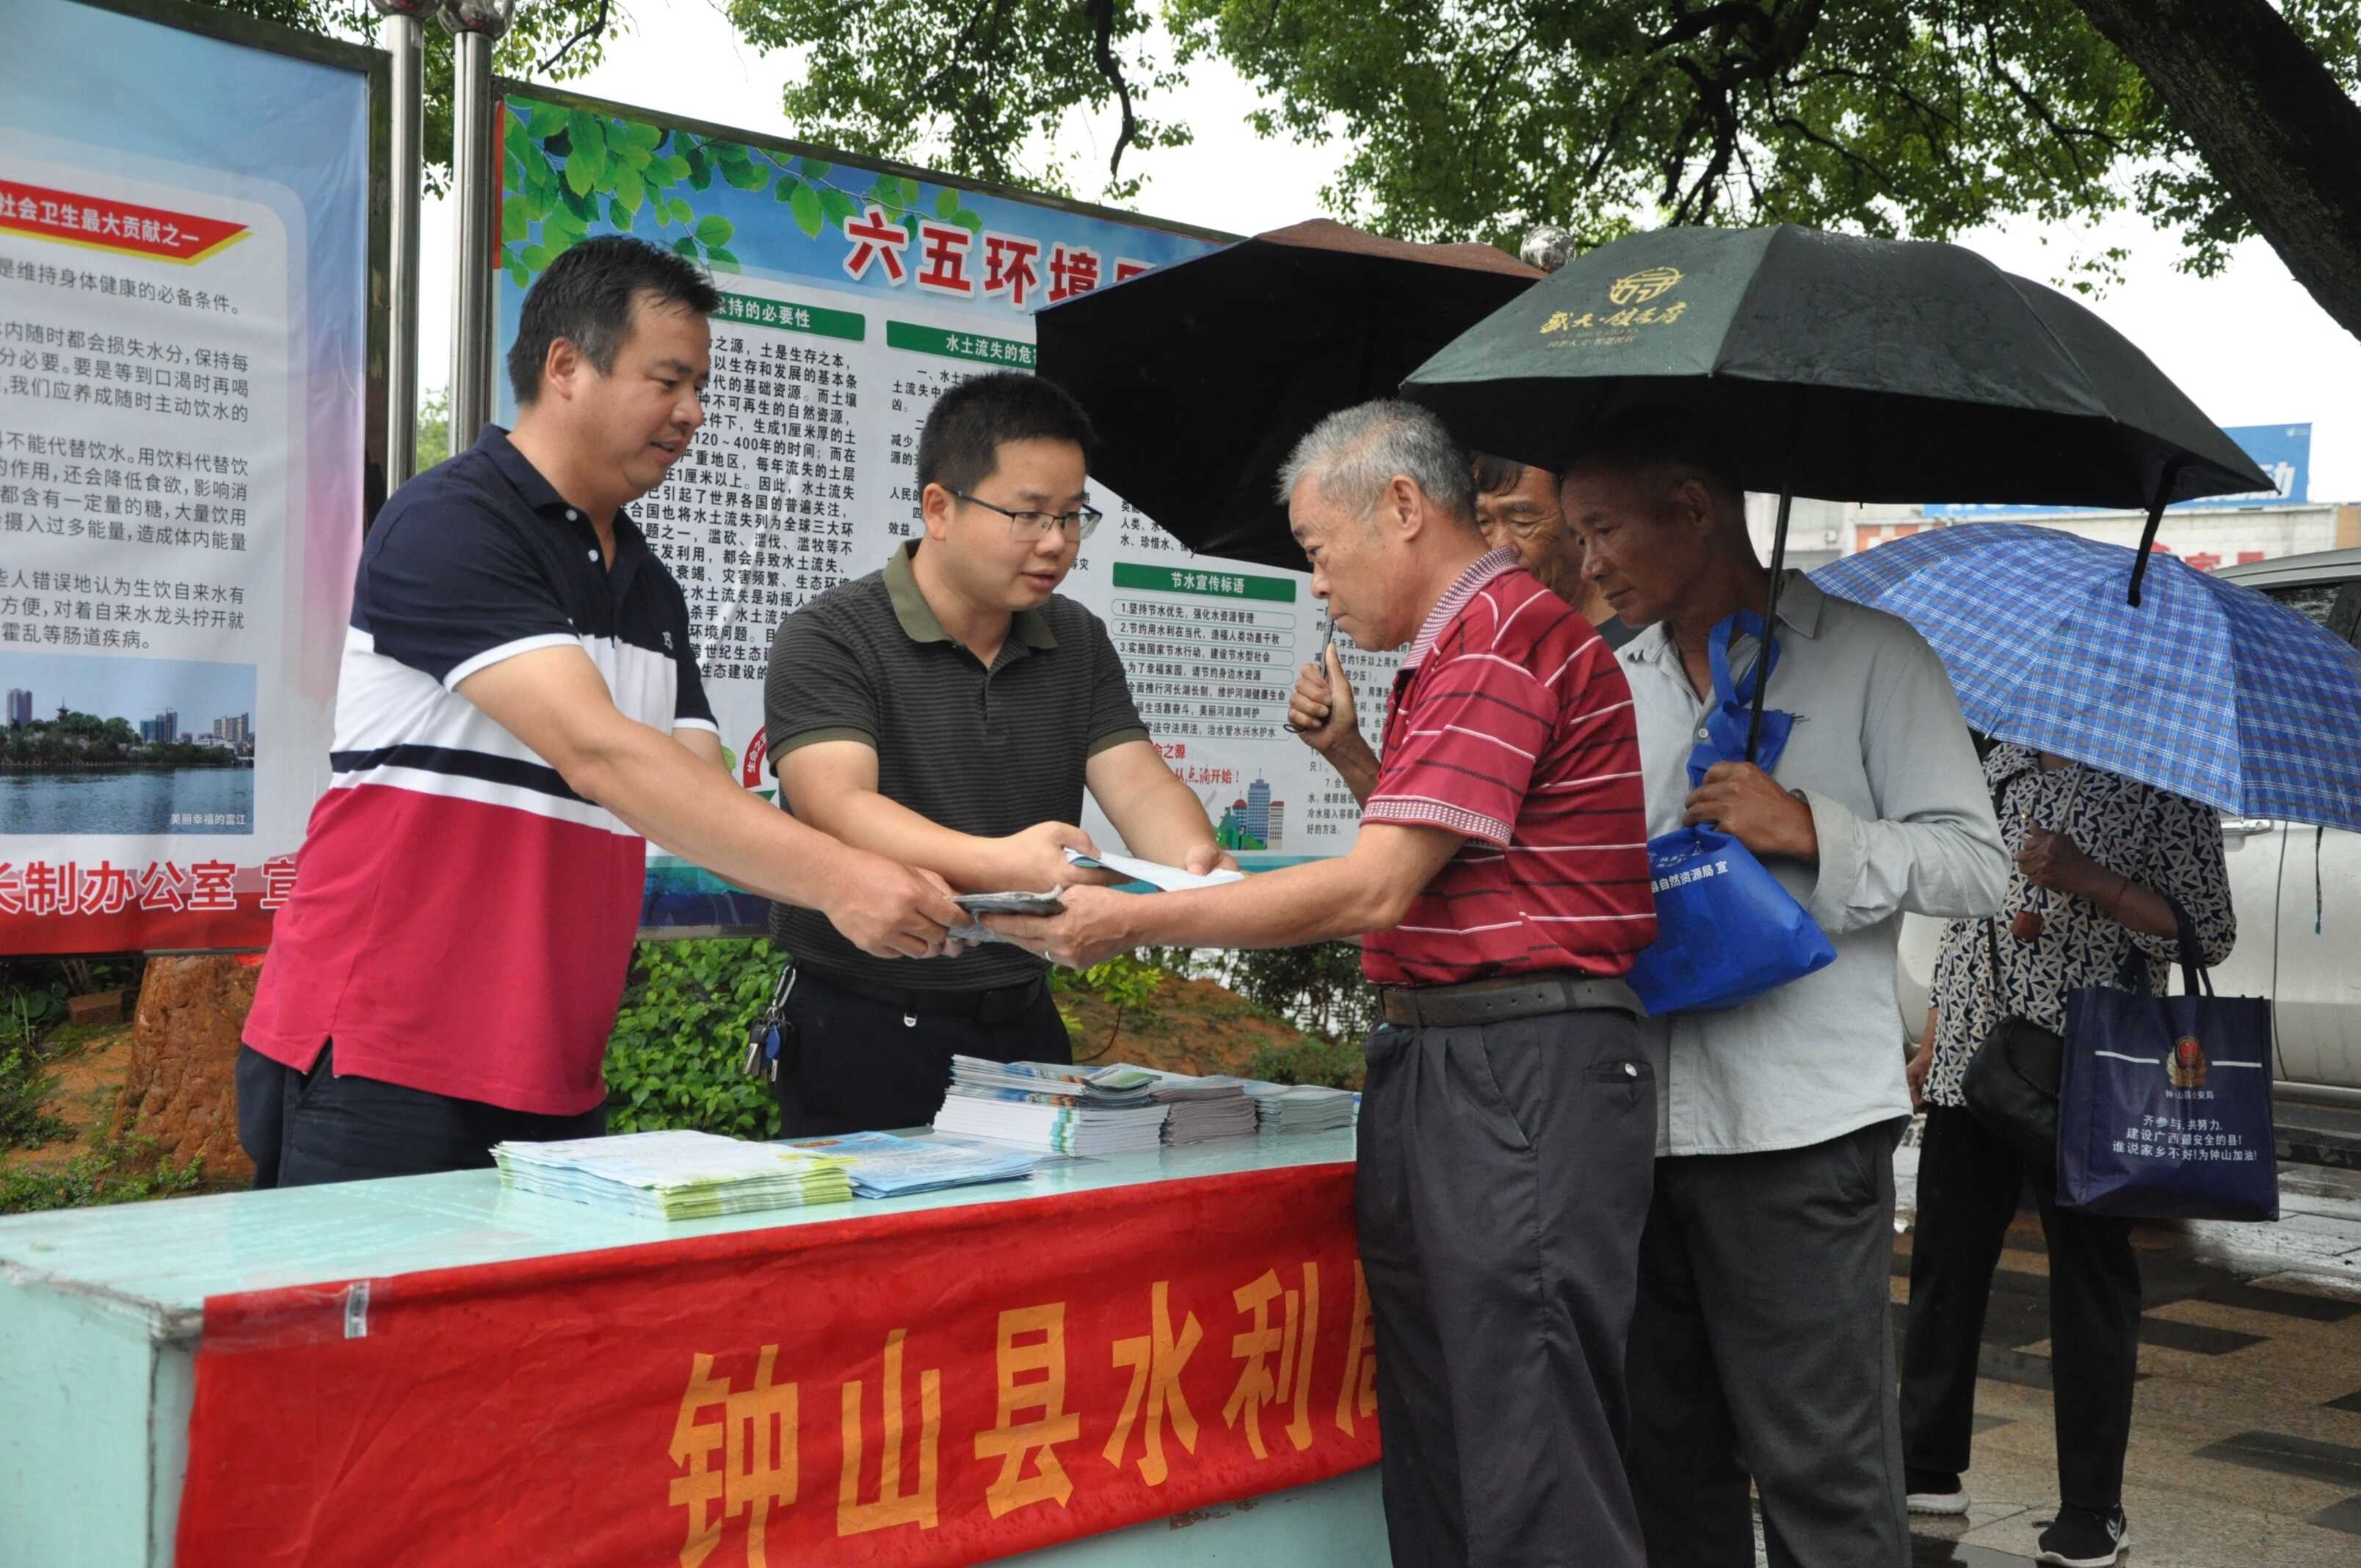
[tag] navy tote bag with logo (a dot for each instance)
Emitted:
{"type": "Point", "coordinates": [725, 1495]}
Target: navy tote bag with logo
{"type": "Point", "coordinates": [2163, 1109]}
{"type": "Point", "coordinates": [1726, 930]}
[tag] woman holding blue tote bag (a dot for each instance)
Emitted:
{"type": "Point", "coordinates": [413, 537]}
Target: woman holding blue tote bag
{"type": "Point", "coordinates": [2100, 863]}
{"type": "Point", "coordinates": [2164, 1110]}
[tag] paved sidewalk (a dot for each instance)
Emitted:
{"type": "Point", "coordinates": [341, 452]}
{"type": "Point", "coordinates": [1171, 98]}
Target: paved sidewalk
{"type": "Point", "coordinates": [2247, 1428]}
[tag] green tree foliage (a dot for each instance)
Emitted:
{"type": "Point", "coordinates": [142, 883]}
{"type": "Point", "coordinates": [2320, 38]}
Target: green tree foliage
{"type": "Point", "coordinates": [1487, 117]}
{"type": "Point", "coordinates": [433, 445]}
{"type": "Point", "coordinates": [85, 740]}
{"type": "Point", "coordinates": [983, 89]}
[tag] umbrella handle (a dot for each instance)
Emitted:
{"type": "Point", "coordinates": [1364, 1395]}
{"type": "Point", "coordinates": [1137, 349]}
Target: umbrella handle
{"type": "Point", "coordinates": [1770, 620]}
{"type": "Point", "coordinates": [2154, 517]}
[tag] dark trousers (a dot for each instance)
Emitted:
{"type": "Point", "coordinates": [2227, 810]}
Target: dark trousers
{"type": "Point", "coordinates": [302, 1129]}
{"type": "Point", "coordinates": [1762, 1350]}
{"type": "Point", "coordinates": [1502, 1184]}
{"type": "Point", "coordinates": [867, 1065]}
{"type": "Point", "coordinates": [1968, 1186]}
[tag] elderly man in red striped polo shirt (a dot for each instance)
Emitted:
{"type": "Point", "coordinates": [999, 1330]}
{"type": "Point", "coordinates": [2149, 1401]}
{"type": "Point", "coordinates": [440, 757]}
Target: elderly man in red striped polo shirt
{"type": "Point", "coordinates": [1502, 876]}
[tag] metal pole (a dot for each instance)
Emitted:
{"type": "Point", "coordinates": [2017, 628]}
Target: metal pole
{"type": "Point", "coordinates": [475, 26]}
{"type": "Point", "coordinates": [405, 41]}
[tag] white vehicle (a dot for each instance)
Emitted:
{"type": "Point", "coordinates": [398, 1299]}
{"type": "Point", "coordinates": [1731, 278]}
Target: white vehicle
{"type": "Point", "coordinates": [2297, 889]}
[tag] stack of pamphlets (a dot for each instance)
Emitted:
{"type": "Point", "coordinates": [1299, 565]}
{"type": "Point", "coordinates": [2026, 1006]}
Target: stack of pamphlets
{"type": "Point", "coordinates": [882, 1164]}
{"type": "Point", "coordinates": [1052, 1107]}
{"type": "Point", "coordinates": [1301, 1107]}
{"type": "Point", "coordinates": [1203, 1109]}
{"type": "Point", "coordinates": [673, 1175]}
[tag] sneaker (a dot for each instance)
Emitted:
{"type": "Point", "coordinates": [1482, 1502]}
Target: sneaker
{"type": "Point", "coordinates": [2081, 1537]}
{"type": "Point", "coordinates": [1935, 1492]}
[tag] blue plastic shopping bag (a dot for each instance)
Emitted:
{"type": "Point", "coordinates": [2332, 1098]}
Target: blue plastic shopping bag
{"type": "Point", "coordinates": [2164, 1108]}
{"type": "Point", "coordinates": [1726, 930]}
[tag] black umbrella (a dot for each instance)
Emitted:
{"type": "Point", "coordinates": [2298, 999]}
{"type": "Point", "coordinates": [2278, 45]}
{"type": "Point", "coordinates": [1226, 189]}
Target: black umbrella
{"type": "Point", "coordinates": [1203, 376]}
{"type": "Point", "coordinates": [1849, 370]}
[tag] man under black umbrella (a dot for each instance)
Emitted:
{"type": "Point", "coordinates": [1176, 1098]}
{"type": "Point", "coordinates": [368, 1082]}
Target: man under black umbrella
{"type": "Point", "coordinates": [1761, 1345]}
{"type": "Point", "coordinates": [1518, 507]}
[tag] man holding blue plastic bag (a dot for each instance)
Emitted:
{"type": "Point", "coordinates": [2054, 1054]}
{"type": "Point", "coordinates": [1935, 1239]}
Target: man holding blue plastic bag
{"type": "Point", "coordinates": [1761, 1346]}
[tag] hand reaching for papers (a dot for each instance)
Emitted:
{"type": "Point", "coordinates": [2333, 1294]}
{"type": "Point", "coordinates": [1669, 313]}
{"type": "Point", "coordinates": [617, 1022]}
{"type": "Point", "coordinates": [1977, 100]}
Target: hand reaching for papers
{"type": "Point", "coordinates": [1035, 859]}
{"type": "Point", "coordinates": [1095, 924]}
{"type": "Point", "coordinates": [894, 911]}
{"type": "Point", "coordinates": [1204, 860]}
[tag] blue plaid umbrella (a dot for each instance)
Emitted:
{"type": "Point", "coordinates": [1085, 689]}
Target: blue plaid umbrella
{"type": "Point", "coordinates": [2206, 688]}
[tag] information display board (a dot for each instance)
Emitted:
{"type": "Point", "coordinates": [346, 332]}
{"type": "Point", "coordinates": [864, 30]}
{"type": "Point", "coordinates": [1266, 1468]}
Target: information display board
{"type": "Point", "coordinates": [184, 325]}
{"type": "Point", "coordinates": [855, 294]}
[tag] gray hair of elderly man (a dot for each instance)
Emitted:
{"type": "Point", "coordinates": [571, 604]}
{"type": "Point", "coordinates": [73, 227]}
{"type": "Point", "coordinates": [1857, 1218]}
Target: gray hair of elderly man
{"type": "Point", "coordinates": [1353, 454]}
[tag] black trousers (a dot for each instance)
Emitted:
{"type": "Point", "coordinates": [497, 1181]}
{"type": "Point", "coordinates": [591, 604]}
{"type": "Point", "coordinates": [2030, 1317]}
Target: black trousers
{"type": "Point", "coordinates": [868, 1066]}
{"type": "Point", "coordinates": [302, 1129]}
{"type": "Point", "coordinates": [1968, 1186]}
{"type": "Point", "coordinates": [1763, 1350]}
{"type": "Point", "coordinates": [1502, 1184]}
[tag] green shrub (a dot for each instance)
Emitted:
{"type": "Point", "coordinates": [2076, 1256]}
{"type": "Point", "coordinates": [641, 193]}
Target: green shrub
{"type": "Point", "coordinates": [676, 1057]}
{"type": "Point", "coordinates": [122, 1173]}
{"type": "Point", "coordinates": [1334, 1064]}
{"type": "Point", "coordinates": [1124, 982]}
{"type": "Point", "coordinates": [1318, 988]}
{"type": "Point", "coordinates": [24, 1087]}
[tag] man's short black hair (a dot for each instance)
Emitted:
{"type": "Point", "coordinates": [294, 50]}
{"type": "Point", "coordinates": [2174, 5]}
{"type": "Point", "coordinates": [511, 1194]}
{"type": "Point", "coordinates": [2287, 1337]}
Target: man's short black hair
{"type": "Point", "coordinates": [586, 297]}
{"type": "Point", "coordinates": [1655, 437]}
{"type": "Point", "coordinates": [961, 445]}
{"type": "Point", "coordinates": [1495, 475]}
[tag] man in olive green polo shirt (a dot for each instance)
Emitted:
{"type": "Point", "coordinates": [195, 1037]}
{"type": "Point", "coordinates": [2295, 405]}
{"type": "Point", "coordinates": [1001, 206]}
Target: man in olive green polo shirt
{"type": "Point", "coordinates": [950, 711]}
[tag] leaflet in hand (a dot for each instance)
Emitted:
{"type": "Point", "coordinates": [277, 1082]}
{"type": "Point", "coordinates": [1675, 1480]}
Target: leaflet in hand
{"type": "Point", "coordinates": [1171, 879]}
{"type": "Point", "coordinates": [983, 904]}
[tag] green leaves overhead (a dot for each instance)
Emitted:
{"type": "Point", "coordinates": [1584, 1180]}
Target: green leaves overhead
{"type": "Point", "coordinates": [1485, 118]}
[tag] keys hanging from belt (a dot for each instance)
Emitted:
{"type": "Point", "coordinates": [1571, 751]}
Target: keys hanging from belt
{"type": "Point", "coordinates": [766, 1040]}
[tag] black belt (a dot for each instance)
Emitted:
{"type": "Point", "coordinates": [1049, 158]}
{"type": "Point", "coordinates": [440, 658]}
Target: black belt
{"type": "Point", "coordinates": [1002, 1004]}
{"type": "Point", "coordinates": [1512, 996]}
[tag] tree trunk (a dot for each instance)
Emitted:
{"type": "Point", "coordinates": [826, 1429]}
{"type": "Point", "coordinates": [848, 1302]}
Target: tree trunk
{"type": "Point", "coordinates": [2270, 122]}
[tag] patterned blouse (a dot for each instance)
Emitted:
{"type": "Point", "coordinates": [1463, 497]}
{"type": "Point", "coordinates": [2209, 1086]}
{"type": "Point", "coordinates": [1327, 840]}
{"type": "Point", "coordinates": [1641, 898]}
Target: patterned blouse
{"type": "Point", "coordinates": [2164, 842]}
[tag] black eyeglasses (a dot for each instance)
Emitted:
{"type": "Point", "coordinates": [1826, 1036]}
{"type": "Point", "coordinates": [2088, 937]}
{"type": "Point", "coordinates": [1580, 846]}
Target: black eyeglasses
{"type": "Point", "coordinates": [1027, 526]}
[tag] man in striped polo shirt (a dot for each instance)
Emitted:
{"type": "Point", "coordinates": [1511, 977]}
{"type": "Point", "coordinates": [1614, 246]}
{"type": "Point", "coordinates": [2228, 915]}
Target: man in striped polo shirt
{"type": "Point", "coordinates": [1502, 875]}
{"type": "Point", "coordinates": [519, 712]}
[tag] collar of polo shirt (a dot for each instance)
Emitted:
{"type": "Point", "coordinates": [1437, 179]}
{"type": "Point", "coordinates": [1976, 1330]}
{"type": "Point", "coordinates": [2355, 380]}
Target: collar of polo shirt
{"type": "Point", "coordinates": [917, 616]}
{"type": "Point", "coordinates": [538, 493]}
{"type": "Point", "coordinates": [1801, 604]}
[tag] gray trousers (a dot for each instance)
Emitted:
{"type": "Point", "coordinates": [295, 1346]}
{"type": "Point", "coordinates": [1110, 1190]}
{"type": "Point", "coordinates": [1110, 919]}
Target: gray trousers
{"type": "Point", "coordinates": [1761, 1349]}
{"type": "Point", "coordinates": [1503, 1185]}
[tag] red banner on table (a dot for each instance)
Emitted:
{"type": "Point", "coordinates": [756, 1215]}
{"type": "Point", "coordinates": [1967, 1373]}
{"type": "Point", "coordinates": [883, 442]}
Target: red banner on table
{"type": "Point", "coordinates": [941, 1386]}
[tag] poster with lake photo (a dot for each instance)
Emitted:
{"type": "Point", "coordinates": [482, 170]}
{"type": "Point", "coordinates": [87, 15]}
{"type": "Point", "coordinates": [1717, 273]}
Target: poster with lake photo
{"type": "Point", "coordinates": [123, 745]}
